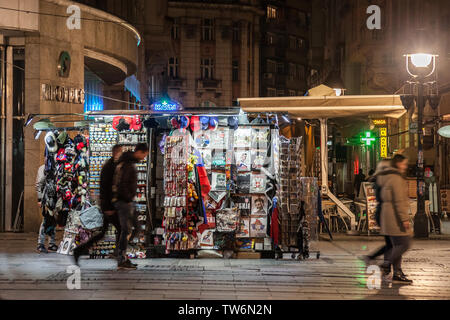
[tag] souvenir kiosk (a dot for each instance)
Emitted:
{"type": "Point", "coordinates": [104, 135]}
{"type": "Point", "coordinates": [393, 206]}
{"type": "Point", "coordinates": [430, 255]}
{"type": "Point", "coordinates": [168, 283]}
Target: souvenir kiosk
{"type": "Point", "coordinates": [322, 106]}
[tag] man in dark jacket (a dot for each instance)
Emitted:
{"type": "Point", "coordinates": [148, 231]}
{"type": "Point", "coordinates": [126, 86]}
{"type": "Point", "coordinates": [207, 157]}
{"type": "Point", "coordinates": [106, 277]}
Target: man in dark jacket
{"type": "Point", "coordinates": [124, 191]}
{"type": "Point", "coordinates": [109, 213]}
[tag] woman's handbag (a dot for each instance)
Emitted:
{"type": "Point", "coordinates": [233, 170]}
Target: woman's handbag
{"type": "Point", "coordinates": [91, 217]}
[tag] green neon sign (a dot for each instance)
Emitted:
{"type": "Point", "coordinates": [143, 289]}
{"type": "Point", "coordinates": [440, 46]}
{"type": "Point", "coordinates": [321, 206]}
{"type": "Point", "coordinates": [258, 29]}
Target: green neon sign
{"type": "Point", "coordinates": [368, 139]}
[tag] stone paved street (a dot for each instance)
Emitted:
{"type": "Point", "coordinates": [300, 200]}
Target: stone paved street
{"type": "Point", "coordinates": [338, 274]}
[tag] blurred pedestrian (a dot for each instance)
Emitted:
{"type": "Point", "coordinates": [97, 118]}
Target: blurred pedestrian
{"type": "Point", "coordinates": [124, 192]}
{"type": "Point", "coordinates": [40, 187]}
{"type": "Point", "coordinates": [110, 215]}
{"type": "Point", "coordinates": [381, 169]}
{"type": "Point", "coordinates": [394, 216]}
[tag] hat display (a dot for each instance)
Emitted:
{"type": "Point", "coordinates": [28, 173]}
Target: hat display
{"type": "Point", "coordinates": [233, 122]}
{"type": "Point", "coordinates": [123, 125]}
{"type": "Point", "coordinates": [204, 121]}
{"type": "Point", "coordinates": [50, 142]}
{"type": "Point", "coordinates": [195, 123]}
{"type": "Point", "coordinates": [213, 123]}
{"type": "Point", "coordinates": [44, 124]}
{"type": "Point", "coordinates": [174, 122]}
{"type": "Point", "coordinates": [62, 138]}
{"type": "Point", "coordinates": [184, 122]}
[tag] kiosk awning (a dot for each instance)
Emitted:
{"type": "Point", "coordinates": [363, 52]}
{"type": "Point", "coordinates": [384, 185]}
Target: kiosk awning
{"type": "Point", "coordinates": [327, 106]}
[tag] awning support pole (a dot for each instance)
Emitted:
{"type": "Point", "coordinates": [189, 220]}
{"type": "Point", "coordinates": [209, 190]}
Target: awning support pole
{"type": "Point", "coordinates": [324, 173]}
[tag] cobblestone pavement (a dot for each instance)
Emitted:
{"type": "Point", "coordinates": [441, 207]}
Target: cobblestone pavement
{"type": "Point", "coordinates": [338, 274]}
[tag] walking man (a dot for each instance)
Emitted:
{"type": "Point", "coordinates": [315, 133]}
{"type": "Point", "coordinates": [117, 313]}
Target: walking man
{"type": "Point", "coordinates": [394, 217]}
{"type": "Point", "coordinates": [107, 208]}
{"type": "Point", "coordinates": [359, 178]}
{"type": "Point", "coordinates": [40, 186]}
{"type": "Point", "coordinates": [124, 191]}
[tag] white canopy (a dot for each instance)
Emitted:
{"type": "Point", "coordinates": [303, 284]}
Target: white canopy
{"type": "Point", "coordinates": [328, 106]}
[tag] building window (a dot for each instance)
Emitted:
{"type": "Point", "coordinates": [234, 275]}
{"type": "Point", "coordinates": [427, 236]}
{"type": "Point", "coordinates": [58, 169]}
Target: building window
{"type": "Point", "coordinates": [280, 93]}
{"type": "Point", "coordinates": [292, 93]}
{"type": "Point", "coordinates": [292, 42]}
{"type": "Point", "coordinates": [300, 72]}
{"type": "Point", "coordinates": [207, 29]}
{"type": "Point", "coordinates": [280, 68]}
{"type": "Point", "coordinates": [236, 32]}
{"type": "Point", "coordinates": [207, 68]}
{"type": "Point", "coordinates": [292, 71]}
{"type": "Point", "coordinates": [271, 92]}
{"type": "Point", "coordinates": [175, 29]}
{"type": "Point", "coordinates": [272, 13]}
{"type": "Point", "coordinates": [235, 65]}
{"type": "Point", "coordinates": [270, 38]}
{"type": "Point", "coordinates": [271, 66]}
{"type": "Point", "coordinates": [300, 43]}
{"type": "Point", "coordinates": [302, 19]}
{"type": "Point", "coordinates": [173, 68]}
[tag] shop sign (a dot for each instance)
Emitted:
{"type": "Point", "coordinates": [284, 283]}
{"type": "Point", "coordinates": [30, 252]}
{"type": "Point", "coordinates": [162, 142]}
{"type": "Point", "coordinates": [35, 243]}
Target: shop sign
{"type": "Point", "coordinates": [383, 142]}
{"type": "Point", "coordinates": [62, 94]}
{"type": "Point", "coordinates": [166, 106]}
{"type": "Point", "coordinates": [379, 122]}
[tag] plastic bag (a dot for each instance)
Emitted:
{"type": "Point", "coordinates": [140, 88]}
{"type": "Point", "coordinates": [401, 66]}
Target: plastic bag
{"type": "Point", "coordinates": [91, 218]}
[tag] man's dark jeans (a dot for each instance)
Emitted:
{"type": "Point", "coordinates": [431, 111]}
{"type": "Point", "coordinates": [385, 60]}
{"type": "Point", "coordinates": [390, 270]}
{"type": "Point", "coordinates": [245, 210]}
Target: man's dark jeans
{"type": "Point", "coordinates": [400, 244]}
{"type": "Point", "coordinates": [107, 219]}
{"type": "Point", "coordinates": [383, 250]}
{"type": "Point", "coordinates": [125, 212]}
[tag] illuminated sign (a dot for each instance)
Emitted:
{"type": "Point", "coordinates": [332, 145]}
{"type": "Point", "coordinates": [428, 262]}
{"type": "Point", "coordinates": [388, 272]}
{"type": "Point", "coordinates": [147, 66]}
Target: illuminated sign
{"type": "Point", "coordinates": [368, 139]}
{"type": "Point", "coordinates": [383, 142]}
{"type": "Point", "coordinates": [62, 94]}
{"type": "Point", "coordinates": [166, 106]}
{"type": "Point", "coordinates": [379, 122]}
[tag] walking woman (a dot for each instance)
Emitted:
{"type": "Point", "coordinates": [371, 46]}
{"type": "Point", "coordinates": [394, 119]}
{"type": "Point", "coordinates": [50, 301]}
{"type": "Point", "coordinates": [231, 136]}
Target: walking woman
{"type": "Point", "coordinates": [394, 218]}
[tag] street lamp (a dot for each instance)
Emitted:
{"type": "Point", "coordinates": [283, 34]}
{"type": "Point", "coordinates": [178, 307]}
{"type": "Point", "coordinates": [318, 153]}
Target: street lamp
{"type": "Point", "coordinates": [420, 66]}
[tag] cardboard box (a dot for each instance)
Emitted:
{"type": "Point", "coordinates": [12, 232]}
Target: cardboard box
{"type": "Point", "coordinates": [248, 255]}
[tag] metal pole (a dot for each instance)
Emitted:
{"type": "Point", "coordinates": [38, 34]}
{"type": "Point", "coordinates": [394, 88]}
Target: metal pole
{"type": "Point", "coordinates": [9, 140]}
{"type": "Point", "coordinates": [420, 219]}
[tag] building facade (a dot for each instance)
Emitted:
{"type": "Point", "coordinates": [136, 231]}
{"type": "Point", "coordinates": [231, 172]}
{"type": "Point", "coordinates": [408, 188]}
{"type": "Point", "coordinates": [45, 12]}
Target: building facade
{"type": "Point", "coordinates": [41, 48]}
{"type": "Point", "coordinates": [213, 56]}
{"type": "Point", "coordinates": [285, 45]}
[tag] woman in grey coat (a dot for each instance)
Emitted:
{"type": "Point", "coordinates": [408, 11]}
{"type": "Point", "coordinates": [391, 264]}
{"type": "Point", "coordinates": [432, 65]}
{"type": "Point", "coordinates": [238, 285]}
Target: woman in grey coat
{"type": "Point", "coordinates": [394, 218]}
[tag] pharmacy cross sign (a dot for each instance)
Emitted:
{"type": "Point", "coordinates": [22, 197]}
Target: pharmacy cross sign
{"type": "Point", "coordinates": [368, 139]}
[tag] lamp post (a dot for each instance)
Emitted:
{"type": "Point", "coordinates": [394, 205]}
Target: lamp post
{"type": "Point", "coordinates": [420, 66]}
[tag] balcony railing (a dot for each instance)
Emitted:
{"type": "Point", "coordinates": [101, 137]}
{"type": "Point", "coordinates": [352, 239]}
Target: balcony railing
{"type": "Point", "coordinates": [209, 84]}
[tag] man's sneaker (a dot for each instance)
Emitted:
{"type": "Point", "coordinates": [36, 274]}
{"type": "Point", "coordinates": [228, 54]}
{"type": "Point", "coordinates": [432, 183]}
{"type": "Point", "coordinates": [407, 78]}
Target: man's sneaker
{"type": "Point", "coordinates": [53, 247]}
{"type": "Point", "coordinates": [401, 278]}
{"type": "Point", "coordinates": [127, 265]}
{"type": "Point", "coordinates": [41, 249]}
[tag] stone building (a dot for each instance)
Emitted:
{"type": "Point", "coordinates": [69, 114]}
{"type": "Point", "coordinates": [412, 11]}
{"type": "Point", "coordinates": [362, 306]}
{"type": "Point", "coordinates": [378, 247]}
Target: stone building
{"type": "Point", "coordinates": [285, 45]}
{"type": "Point", "coordinates": [38, 48]}
{"type": "Point", "coordinates": [213, 56]}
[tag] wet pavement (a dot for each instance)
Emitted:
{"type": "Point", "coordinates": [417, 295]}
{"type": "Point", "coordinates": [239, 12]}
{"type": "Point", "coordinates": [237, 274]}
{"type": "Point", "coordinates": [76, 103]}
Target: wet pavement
{"type": "Point", "coordinates": [337, 274]}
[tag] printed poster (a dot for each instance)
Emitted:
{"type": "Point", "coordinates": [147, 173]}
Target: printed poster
{"type": "Point", "coordinates": [220, 138]}
{"type": "Point", "coordinates": [259, 206]}
{"type": "Point", "coordinates": [243, 138]}
{"type": "Point", "coordinates": [257, 183]}
{"type": "Point", "coordinates": [243, 160]}
{"type": "Point", "coordinates": [218, 159]}
{"type": "Point", "coordinates": [207, 239]}
{"type": "Point", "coordinates": [219, 181]}
{"type": "Point", "coordinates": [243, 183]}
{"type": "Point", "coordinates": [243, 204]}
{"type": "Point", "coordinates": [258, 227]}
{"type": "Point", "coordinates": [206, 156]}
{"type": "Point", "coordinates": [243, 228]}
{"type": "Point", "coordinates": [258, 159]}
{"type": "Point", "coordinates": [202, 138]}
{"type": "Point", "coordinates": [260, 138]}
